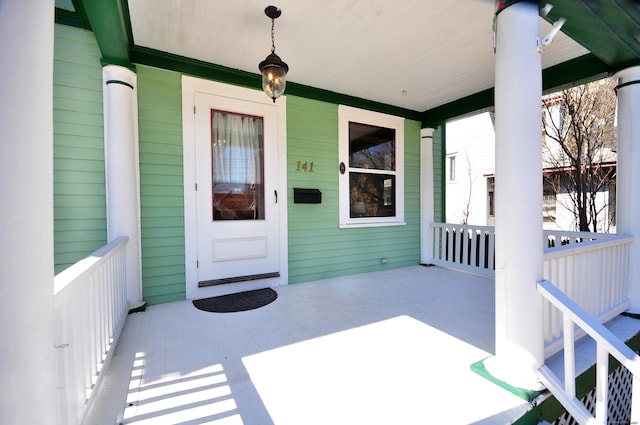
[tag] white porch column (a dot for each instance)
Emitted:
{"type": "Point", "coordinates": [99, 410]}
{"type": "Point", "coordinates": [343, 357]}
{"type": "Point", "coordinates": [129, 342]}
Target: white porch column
{"type": "Point", "coordinates": [628, 173]}
{"type": "Point", "coordinates": [28, 357]}
{"type": "Point", "coordinates": [426, 195]}
{"type": "Point", "coordinates": [519, 249]}
{"type": "Point", "coordinates": [123, 181]}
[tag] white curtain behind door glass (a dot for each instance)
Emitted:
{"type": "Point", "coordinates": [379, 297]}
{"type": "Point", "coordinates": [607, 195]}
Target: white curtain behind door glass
{"type": "Point", "coordinates": [237, 148]}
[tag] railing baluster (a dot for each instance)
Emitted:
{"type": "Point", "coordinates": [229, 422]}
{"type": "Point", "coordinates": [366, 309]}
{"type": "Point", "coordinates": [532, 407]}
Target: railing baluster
{"type": "Point", "coordinates": [443, 243]}
{"type": "Point", "coordinates": [602, 383]}
{"type": "Point", "coordinates": [451, 240]}
{"type": "Point", "coordinates": [492, 250]}
{"type": "Point", "coordinates": [569, 357]}
{"type": "Point", "coordinates": [464, 235]}
{"type": "Point", "coordinates": [482, 256]}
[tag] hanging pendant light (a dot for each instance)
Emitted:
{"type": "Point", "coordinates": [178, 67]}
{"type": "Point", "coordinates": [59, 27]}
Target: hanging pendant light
{"type": "Point", "coordinates": [273, 69]}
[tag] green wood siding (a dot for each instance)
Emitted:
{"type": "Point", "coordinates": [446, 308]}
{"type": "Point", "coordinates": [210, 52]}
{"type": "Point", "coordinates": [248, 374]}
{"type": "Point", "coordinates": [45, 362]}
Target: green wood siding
{"type": "Point", "coordinates": [161, 185]}
{"type": "Point", "coordinates": [80, 224]}
{"type": "Point", "coordinates": [438, 174]}
{"type": "Point", "coordinates": [318, 248]}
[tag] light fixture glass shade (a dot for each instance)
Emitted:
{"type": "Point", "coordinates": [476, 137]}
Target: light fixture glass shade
{"type": "Point", "coordinates": [274, 76]}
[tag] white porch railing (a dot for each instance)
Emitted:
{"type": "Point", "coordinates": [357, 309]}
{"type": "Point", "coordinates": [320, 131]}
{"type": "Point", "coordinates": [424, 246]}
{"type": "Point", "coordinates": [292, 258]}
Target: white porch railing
{"type": "Point", "coordinates": [606, 343]}
{"type": "Point", "coordinates": [472, 248]}
{"type": "Point", "coordinates": [594, 274]}
{"type": "Point", "coordinates": [559, 238]}
{"type": "Point", "coordinates": [591, 276]}
{"type": "Point", "coordinates": [591, 268]}
{"type": "Point", "coordinates": [464, 247]}
{"type": "Point", "coordinates": [90, 307]}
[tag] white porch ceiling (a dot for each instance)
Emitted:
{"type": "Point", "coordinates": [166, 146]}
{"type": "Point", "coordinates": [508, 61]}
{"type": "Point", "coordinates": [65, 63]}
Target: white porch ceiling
{"type": "Point", "coordinates": [414, 54]}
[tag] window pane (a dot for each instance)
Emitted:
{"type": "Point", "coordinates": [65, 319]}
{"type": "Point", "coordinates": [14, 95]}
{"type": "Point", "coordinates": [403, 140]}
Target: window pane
{"type": "Point", "coordinates": [548, 202]}
{"type": "Point", "coordinates": [237, 152]}
{"type": "Point", "coordinates": [549, 208]}
{"type": "Point", "coordinates": [372, 195]}
{"type": "Point", "coordinates": [452, 168]}
{"type": "Point", "coordinates": [372, 147]}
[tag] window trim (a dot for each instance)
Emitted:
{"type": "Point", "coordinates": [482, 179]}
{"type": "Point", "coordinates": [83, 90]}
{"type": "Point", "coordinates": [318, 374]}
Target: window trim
{"type": "Point", "coordinates": [450, 167]}
{"type": "Point", "coordinates": [348, 114]}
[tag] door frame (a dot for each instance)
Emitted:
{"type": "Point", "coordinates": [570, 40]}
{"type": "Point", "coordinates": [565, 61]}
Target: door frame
{"type": "Point", "coordinates": [191, 86]}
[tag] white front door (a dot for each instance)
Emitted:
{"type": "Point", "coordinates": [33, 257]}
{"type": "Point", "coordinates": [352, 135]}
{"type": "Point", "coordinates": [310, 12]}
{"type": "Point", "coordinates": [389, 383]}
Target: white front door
{"type": "Point", "coordinates": [234, 220]}
{"type": "Point", "coordinates": [237, 192]}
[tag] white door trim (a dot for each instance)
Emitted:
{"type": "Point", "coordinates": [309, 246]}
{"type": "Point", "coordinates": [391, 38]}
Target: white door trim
{"type": "Point", "coordinates": [190, 86]}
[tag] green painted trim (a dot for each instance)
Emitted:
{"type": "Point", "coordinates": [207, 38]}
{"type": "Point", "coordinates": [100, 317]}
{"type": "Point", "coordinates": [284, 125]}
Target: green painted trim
{"type": "Point", "coordinates": [575, 72]}
{"type": "Point", "coordinates": [69, 18]}
{"type": "Point", "coordinates": [108, 19]}
{"type": "Point", "coordinates": [571, 73]}
{"type": "Point", "coordinates": [463, 106]}
{"type": "Point", "coordinates": [628, 83]}
{"type": "Point", "coordinates": [356, 102]}
{"type": "Point", "coordinates": [123, 64]}
{"type": "Point", "coordinates": [124, 83]}
{"type": "Point", "coordinates": [172, 62]}
{"type": "Point", "coordinates": [526, 395]}
{"type": "Point", "coordinates": [443, 175]}
{"type": "Point", "coordinates": [78, 5]}
{"type": "Point", "coordinates": [607, 28]}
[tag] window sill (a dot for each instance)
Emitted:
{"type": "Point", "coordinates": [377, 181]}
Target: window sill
{"type": "Point", "coordinates": [372, 224]}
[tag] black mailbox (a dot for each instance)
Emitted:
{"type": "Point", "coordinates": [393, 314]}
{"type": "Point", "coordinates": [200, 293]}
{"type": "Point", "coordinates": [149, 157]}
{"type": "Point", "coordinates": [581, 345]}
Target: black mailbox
{"type": "Point", "coordinates": [306, 196]}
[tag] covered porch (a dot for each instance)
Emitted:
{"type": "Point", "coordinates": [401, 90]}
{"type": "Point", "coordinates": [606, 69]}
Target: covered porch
{"type": "Point", "coordinates": [395, 346]}
{"type": "Point", "coordinates": [365, 350]}
{"type": "Point", "coordinates": [385, 347]}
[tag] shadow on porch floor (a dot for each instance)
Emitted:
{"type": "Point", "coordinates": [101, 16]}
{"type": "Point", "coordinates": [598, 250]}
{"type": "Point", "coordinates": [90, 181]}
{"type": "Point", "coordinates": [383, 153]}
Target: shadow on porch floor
{"type": "Point", "coordinates": [392, 347]}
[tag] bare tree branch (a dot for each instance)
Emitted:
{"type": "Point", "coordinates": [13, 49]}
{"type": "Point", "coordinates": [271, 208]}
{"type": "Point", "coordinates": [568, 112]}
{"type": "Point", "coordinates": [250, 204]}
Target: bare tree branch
{"type": "Point", "coordinates": [579, 146]}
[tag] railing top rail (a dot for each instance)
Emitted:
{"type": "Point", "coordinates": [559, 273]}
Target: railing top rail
{"type": "Point", "coordinates": [77, 270]}
{"type": "Point", "coordinates": [467, 226]}
{"type": "Point", "coordinates": [586, 246]}
{"type": "Point", "coordinates": [591, 326]}
{"type": "Point", "coordinates": [584, 235]}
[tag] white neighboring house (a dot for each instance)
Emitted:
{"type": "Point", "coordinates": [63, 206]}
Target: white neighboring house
{"type": "Point", "coordinates": [470, 177]}
{"type": "Point", "coordinates": [470, 170]}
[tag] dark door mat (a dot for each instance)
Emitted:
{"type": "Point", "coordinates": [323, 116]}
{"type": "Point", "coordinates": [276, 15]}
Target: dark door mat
{"type": "Point", "coordinates": [242, 301]}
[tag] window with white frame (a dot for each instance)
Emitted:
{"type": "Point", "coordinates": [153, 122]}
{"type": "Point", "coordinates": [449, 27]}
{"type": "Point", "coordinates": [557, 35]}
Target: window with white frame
{"type": "Point", "coordinates": [451, 168]}
{"type": "Point", "coordinates": [371, 150]}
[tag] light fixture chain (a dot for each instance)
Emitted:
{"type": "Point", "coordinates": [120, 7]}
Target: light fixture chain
{"type": "Point", "coordinates": [273, 38]}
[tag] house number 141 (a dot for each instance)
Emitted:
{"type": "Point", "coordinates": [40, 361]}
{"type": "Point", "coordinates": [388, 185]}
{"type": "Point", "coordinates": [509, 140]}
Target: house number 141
{"type": "Point", "coordinates": [307, 167]}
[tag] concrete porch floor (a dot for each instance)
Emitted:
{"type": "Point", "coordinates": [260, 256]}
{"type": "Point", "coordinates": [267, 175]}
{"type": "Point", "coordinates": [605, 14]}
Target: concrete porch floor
{"type": "Point", "coordinates": [391, 347]}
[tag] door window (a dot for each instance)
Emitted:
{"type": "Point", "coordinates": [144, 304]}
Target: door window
{"type": "Point", "coordinates": [237, 149]}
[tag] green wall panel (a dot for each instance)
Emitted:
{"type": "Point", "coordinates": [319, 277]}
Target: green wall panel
{"type": "Point", "coordinates": [439, 192]}
{"type": "Point", "coordinates": [161, 185]}
{"type": "Point", "coordinates": [318, 248]}
{"type": "Point", "coordinates": [80, 225]}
